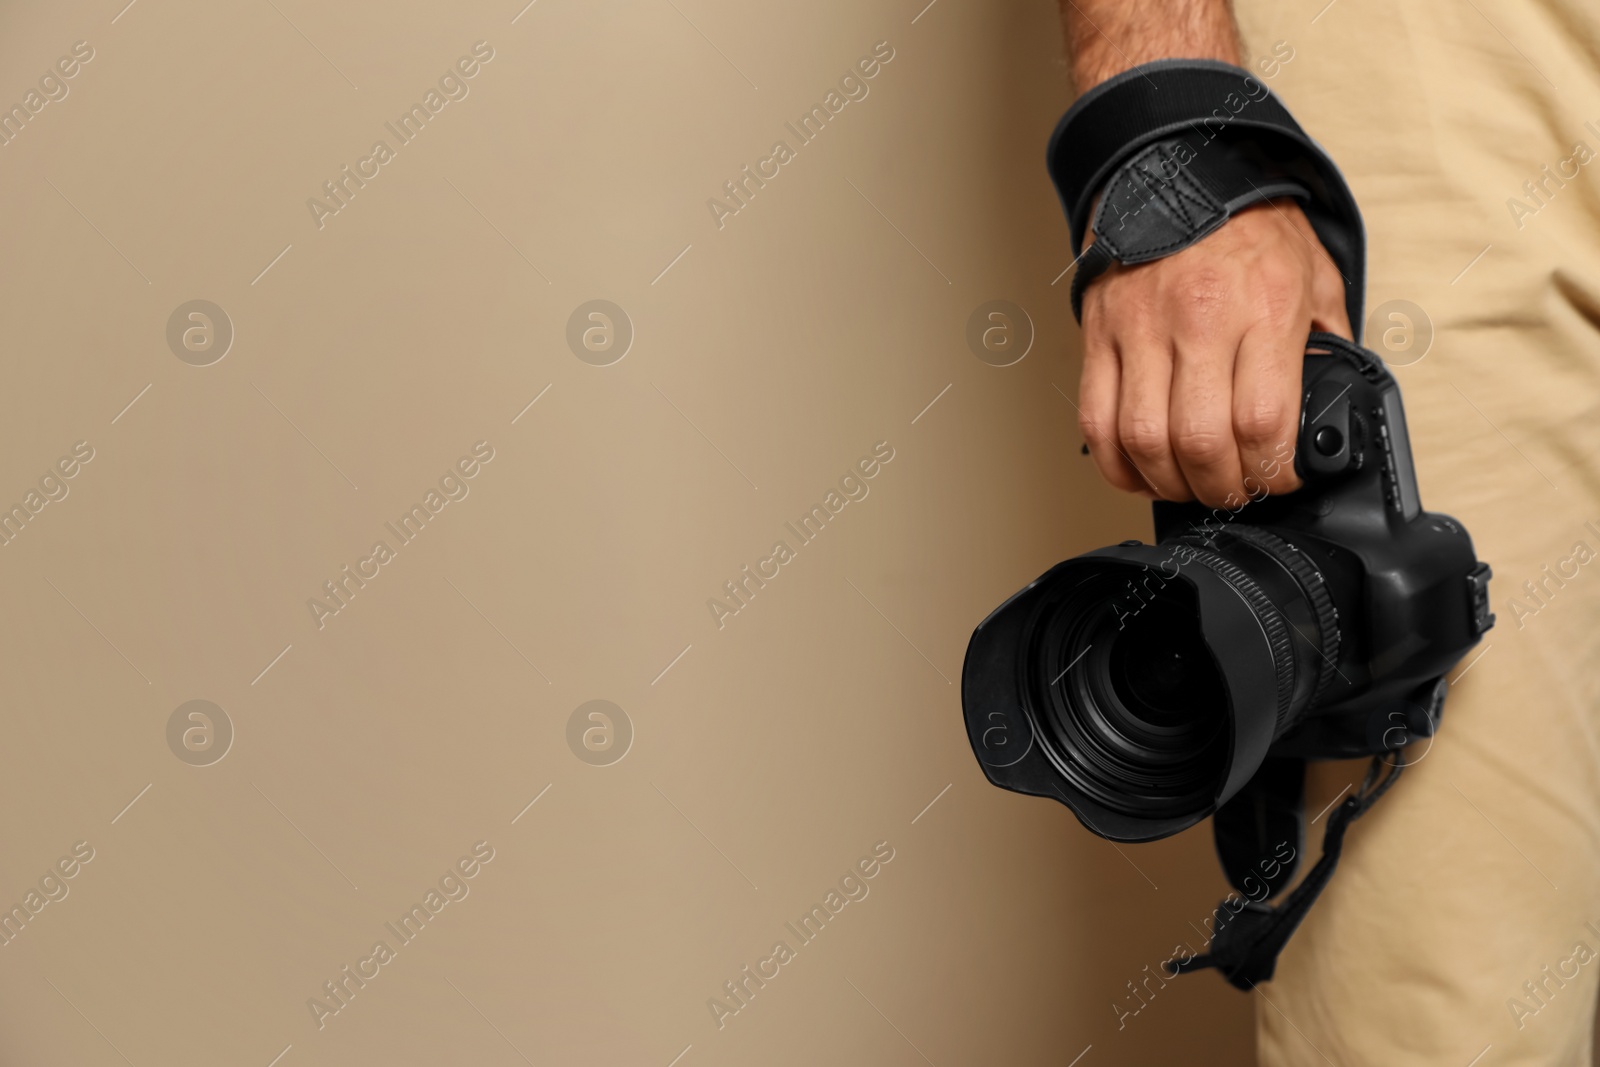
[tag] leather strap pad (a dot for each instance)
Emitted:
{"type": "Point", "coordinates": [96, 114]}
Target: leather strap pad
{"type": "Point", "coordinates": [1169, 195]}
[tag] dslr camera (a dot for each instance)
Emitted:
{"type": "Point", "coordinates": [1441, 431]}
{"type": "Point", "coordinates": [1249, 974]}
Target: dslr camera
{"type": "Point", "coordinates": [1149, 686]}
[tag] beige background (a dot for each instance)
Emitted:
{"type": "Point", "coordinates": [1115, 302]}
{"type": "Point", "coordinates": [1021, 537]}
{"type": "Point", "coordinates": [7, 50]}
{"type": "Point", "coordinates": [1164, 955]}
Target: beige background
{"type": "Point", "coordinates": [372, 753]}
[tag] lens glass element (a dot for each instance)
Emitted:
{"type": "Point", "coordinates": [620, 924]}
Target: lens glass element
{"type": "Point", "coordinates": [1136, 708]}
{"type": "Point", "coordinates": [1161, 670]}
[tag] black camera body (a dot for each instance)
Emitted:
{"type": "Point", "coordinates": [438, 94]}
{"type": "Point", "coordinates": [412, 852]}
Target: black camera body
{"type": "Point", "coordinates": [1406, 581]}
{"type": "Point", "coordinates": [1147, 685]}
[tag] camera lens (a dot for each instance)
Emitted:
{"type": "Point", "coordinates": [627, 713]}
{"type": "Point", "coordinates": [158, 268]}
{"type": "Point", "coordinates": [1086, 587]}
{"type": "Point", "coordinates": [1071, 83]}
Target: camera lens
{"type": "Point", "coordinates": [1139, 719]}
{"type": "Point", "coordinates": [1152, 677]}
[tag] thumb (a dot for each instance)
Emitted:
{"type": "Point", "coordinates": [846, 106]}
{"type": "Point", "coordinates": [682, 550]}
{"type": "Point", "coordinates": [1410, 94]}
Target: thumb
{"type": "Point", "coordinates": [1328, 312]}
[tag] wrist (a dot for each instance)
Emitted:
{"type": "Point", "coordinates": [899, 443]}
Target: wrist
{"type": "Point", "coordinates": [1108, 37]}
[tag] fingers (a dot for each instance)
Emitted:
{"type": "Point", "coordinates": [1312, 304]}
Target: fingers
{"type": "Point", "coordinates": [1097, 414]}
{"type": "Point", "coordinates": [1142, 415]}
{"type": "Point", "coordinates": [1266, 406]}
{"type": "Point", "coordinates": [1201, 421]}
{"type": "Point", "coordinates": [1191, 384]}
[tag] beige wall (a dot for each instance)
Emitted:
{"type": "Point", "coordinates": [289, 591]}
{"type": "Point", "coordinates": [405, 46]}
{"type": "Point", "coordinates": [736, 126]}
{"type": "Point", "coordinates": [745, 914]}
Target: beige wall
{"type": "Point", "coordinates": [374, 750]}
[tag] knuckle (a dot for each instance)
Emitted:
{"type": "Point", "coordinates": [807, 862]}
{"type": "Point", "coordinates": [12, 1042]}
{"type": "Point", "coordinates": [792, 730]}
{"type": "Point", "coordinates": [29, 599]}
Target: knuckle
{"type": "Point", "coordinates": [1278, 299]}
{"type": "Point", "coordinates": [1201, 442]}
{"type": "Point", "coordinates": [1126, 311]}
{"type": "Point", "coordinates": [1144, 437]}
{"type": "Point", "coordinates": [1279, 274]}
{"type": "Point", "coordinates": [1259, 422]}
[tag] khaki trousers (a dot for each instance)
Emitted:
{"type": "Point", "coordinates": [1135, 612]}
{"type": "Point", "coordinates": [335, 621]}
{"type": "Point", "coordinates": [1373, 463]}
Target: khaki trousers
{"type": "Point", "coordinates": [1465, 918]}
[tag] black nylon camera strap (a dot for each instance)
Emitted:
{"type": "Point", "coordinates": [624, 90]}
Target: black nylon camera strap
{"type": "Point", "coordinates": [1245, 946]}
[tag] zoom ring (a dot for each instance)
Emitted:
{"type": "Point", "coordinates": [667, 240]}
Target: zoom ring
{"type": "Point", "coordinates": [1271, 619]}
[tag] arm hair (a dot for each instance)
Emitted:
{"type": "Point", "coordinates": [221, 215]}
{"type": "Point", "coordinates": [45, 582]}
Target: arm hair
{"type": "Point", "coordinates": [1107, 37]}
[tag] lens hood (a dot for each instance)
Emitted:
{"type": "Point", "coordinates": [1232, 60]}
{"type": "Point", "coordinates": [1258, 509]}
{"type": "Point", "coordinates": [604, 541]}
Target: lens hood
{"type": "Point", "coordinates": [1011, 709]}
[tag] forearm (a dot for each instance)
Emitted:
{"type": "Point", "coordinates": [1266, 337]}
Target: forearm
{"type": "Point", "coordinates": [1107, 37]}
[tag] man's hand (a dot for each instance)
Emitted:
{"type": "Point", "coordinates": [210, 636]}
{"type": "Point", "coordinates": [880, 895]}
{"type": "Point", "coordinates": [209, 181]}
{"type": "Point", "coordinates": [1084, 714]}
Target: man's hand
{"type": "Point", "coordinates": [1192, 363]}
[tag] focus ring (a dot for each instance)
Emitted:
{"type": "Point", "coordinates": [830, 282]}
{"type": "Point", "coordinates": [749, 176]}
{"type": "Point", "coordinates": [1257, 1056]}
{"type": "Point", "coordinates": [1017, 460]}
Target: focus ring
{"type": "Point", "coordinates": [1305, 573]}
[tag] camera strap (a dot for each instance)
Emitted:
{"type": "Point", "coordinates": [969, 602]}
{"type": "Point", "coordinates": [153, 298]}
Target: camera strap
{"type": "Point", "coordinates": [1168, 196]}
{"type": "Point", "coordinates": [1177, 147]}
{"type": "Point", "coordinates": [1246, 942]}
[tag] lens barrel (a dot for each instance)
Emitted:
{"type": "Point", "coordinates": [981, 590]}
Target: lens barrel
{"type": "Point", "coordinates": [1143, 684]}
